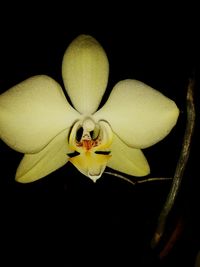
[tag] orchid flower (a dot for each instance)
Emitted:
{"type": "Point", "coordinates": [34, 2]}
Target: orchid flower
{"type": "Point", "coordinates": [37, 120]}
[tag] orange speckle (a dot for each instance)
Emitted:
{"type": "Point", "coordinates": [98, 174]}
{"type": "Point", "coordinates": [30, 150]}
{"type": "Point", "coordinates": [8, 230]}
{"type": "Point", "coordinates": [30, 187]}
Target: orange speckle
{"type": "Point", "coordinates": [87, 144]}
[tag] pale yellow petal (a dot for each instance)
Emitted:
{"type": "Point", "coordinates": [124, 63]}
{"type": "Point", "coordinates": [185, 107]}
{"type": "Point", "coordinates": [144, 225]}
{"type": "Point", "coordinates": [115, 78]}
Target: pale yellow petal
{"type": "Point", "coordinates": [90, 164]}
{"type": "Point", "coordinates": [138, 114]}
{"type": "Point", "coordinates": [85, 71]}
{"type": "Point", "coordinates": [33, 112]}
{"type": "Point", "coordinates": [53, 156]}
{"type": "Point", "coordinates": [127, 160]}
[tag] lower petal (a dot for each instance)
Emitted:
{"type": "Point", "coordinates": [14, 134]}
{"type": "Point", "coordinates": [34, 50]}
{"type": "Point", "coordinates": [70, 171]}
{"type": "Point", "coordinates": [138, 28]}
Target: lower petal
{"type": "Point", "coordinates": [127, 160]}
{"type": "Point", "coordinates": [38, 165]}
{"type": "Point", "coordinates": [91, 165]}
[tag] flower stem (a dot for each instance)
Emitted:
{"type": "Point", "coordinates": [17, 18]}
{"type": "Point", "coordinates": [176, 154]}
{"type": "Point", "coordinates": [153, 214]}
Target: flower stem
{"type": "Point", "coordinates": [135, 182]}
{"type": "Point", "coordinates": [184, 155]}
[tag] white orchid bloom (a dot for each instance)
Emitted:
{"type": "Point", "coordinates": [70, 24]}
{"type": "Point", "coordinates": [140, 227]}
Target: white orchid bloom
{"type": "Point", "coordinates": [36, 119]}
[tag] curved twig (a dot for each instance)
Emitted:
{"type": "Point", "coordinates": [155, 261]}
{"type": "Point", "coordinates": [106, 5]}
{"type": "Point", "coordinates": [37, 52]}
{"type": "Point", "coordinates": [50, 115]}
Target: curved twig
{"type": "Point", "coordinates": [183, 159]}
{"type": "Point", "coordinates": [140, 181]}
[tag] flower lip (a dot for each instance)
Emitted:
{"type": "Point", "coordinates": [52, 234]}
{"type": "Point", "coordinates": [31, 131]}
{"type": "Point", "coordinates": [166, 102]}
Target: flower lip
{"type": "Point", "coordinates": [94, 177]}
{"type": "Point", "coordinates": [92, 147]}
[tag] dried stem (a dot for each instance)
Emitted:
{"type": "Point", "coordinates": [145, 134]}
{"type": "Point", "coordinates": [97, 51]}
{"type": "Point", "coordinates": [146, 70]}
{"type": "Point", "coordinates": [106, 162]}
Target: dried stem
{"type": "Point", "coordinates": [135, 182]}
{"type": "Point", "coordinates": [184, 155]}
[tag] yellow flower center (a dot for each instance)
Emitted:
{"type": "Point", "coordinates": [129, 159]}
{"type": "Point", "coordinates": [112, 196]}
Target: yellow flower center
{"type": "Point", "coordinates": [90, 142]}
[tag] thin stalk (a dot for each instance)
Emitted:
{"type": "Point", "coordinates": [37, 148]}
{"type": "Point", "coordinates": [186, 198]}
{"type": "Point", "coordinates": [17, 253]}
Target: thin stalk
{"type": "Point", "coordinates": [180, 168]}
{"type": "Point", "coordinates": [141, 181]}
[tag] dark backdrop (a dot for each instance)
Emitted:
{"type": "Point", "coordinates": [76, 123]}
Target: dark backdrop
{"type": "Point", "coordinates": [65, 217]}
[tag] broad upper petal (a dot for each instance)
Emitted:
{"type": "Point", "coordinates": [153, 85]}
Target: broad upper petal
{"type": "Point", "coordinates": [138, 114]}
{"type": "Point", "coordinates": [85, 71]}
{"type": "Point", "coordinates": [53, 156]}
{"type": "Point", "coordinates": [127, 160]}
{"type": "Point", "coordinates": [33, 112]}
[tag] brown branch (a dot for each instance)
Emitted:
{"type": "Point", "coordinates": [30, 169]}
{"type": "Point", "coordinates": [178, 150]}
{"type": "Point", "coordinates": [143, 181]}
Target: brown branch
{"type": "Point", "coordinates": [173, 238]}
{"type": "Point", "coordinates": [183, 159]}
{"type": "Point", "coordinates": [140, 181]}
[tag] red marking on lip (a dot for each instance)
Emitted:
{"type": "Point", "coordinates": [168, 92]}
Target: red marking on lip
{"type": "Point", "coordinates": [87, 144]}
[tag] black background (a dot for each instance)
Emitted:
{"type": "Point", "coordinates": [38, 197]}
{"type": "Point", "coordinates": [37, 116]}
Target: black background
{"type": "Point", "coordinates": [65, 218]}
